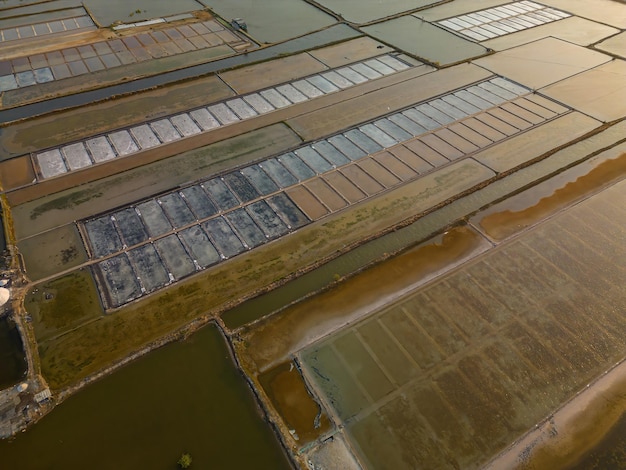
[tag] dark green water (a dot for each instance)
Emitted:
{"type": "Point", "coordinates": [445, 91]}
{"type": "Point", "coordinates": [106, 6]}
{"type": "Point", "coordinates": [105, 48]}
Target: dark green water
{"type": "Point", "coordinates": [12, 360]}
{"type": "Point", "coordinates": [185, 397]}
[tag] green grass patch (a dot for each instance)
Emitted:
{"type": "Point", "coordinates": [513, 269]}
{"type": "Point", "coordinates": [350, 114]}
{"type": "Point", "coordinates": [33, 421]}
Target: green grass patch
{"type": "Point", "coordinates": [62, 304]}
{"type": "Point", "coordinates": [53, 251]}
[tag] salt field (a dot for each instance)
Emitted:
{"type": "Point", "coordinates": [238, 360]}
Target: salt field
{"type": "Point", "coordinates": [390, 231]}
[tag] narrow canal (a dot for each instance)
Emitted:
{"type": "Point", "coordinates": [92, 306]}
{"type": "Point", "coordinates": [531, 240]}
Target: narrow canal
{"type": "Point", "coordinates": [186, 397]}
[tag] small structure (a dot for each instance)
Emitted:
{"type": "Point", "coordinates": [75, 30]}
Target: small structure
{"type": "Point", "coordinates": [238, 23]}
{"type": "Point", "coordinates": [43, 396]}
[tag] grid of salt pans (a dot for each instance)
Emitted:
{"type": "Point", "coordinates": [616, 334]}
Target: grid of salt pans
{"type": "Point", "coordinates": [498, 21]}
{"type": "Point", "coordinates": [161, 261]}
{"type": "Point", "coordinates": [41, 29]}
{"type": "Point", "coordinates": [120, 143]}
{"type": "Point", "coordinates": [152, 243]}
{"type": "Point", "coordinates": [243, 186]}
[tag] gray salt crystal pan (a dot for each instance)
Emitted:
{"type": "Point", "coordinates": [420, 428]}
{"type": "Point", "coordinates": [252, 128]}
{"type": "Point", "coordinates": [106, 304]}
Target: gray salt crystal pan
{"type": "Point", "coordinates": [100, 149]}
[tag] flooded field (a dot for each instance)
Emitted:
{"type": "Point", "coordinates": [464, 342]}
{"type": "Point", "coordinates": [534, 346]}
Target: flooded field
{"type": "Point", "coordinates": [107, 12]}
{"type": "Point", "coordinates": [273, 20]}
{"type": "Point", "coordinates": [442, 369]}
{"type": "Point", "coordinates": [425, 41]}
{"type": "Point", "coordinates": [186, 397]}
{"type": "Point", "coordinates": [370, 10]}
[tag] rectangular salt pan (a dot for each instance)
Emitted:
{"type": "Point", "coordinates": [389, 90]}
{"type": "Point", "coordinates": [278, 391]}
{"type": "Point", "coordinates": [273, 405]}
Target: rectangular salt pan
{"type": "Point", "coordinates": [330, 153]}
{"type": "Point", "coordinates": [324, 85]}
{"type": "Point", "coordinates": [278, 173]}
{"type": "Point", "coordinates": [240, 186]}
{"type": "Point", "coordinates": [352, 75]}
{"type": "Point", "coordinates": [130, 226]}
{"type": "Point", "coordinates": [223, 113]}
{"type": "Point", "coordinates": [267, 219]}
{"type": "Point", "coordinates": [366, 71]}
{"type": "Point", "coordinates": [145, 137]}
{"type": "Point", "coordinates": [259, 179]}
{"type": "Point", "coordinates": [393, 130]}
{"type": "Point", "coordinates": [307, 88]}
{"type": "Point", "coordinates": [407, 124]}
{"type": "Point", "coordinates": [185, 125]}
{"type": "Point", "coordinates": [204, 119]}
{"type": "Point", "coordinates": [51, 163]}
{"type": "Point", "coordinates": [219, 192]}
{"type": "Point", "coordinates": [123, 142]}
{"type": "Point", "coordinates": [296, 166]}
{"type": "Point", "coordinates": [260, 104]}
{"type": "Point", "coordinates": [392, 62]}
{"type": "Point", "coordinates": [313, 159]}
{"type": "Point", "coordinates": [363, 141]}
{"type": "Point", "coordinates": [165, 130]}
{"type": "Point", "coordinates": [153, 218]}
{"type": "Point", "coordinates": [120, 281]}
{"type": "Point", "coordinates": [100, 149]}
{"type": "Point", "coordinates": [448, 109]}
{"type": "Point", "coordinates": [379, 66]}
{"type": "Point", "coordinates": [199, 202]}
{"type": "Point", "coordinates": [337, 79]}
{"type": "Point", "coordinates": [346, 147]}
{"type": "Point", "coordinates": [374, 133]}
{"type": "Point", "coordinates": [76, 156]}
{"type": "Point", "coordinates": [246, 227]}
{"type": "Point", "coordinates": [420, 118]}
{"type": "Point", "coordinates": [103, 236]}
{"type": "Point", "coordinates": [434, 114]}
{"type": "Point", "coordinates": [463, 105]}
{"type": "Point", "coordinates": [176, 210]}
{"type": "Point", "coordinates": [287, 211]}
{"type": "Point", "coordinates": [276, 99]}
{"type": "Point", "coordinates": [174, 256]}
{"type": "Point", "coordinates": [291, 93]}
{"type": "Point", "coordinates": [148, 266]}
{"type": "Point", "coordinates": [241, 108]}
{"type": "Point", "coordinates": [225, 240]}
{"type": "Point", "coordinates": [199, 246]}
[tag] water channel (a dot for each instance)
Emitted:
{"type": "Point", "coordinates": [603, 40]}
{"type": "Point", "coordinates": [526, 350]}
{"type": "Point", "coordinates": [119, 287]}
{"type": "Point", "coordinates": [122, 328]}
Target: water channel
{"type": "Point", "coordinates": [185, 397]}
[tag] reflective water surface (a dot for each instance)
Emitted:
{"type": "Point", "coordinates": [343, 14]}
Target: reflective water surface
{"type": "Point", "coordinates": [185, 397]}
{"type": "Point", "coordinates": [12, 361]}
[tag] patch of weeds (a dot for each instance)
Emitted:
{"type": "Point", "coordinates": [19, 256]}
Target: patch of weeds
{"type": "Point", "coordinates": [65, 202]}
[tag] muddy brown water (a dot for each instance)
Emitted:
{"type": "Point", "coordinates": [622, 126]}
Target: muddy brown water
{"type": "Point", "coordinates": [185, 397]}
{"type": "Point", "coordinates": [609, 454]}
{"type": "Point", "coordinates": [329, 273]}
{"type": "Point", "coordinates": [287, 391]}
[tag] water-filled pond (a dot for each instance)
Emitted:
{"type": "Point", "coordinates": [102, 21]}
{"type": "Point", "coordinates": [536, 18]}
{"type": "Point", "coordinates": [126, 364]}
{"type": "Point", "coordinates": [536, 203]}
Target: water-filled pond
{"type": "Point", "coordinates": [12, 360]}
{"type": "Point", "coordinates": [185, 397]}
